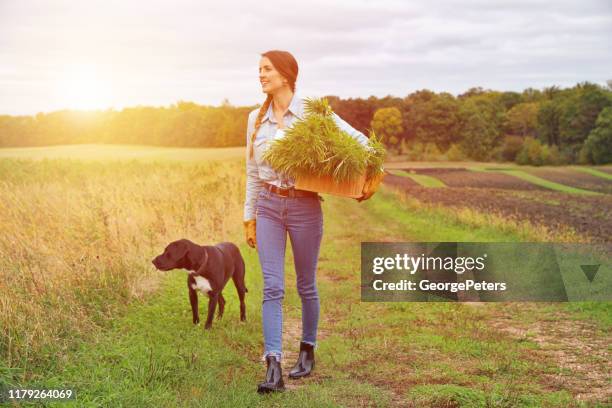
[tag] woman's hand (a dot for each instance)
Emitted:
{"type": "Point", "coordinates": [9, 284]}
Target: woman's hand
{"type": "Point", "coordinates": [250, 233]}
{"type": "Point", "coordinates": [370, 186]}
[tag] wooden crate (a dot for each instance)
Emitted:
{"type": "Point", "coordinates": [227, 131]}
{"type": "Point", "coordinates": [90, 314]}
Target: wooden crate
{"type": "Point", "coordinates": [327, 185]}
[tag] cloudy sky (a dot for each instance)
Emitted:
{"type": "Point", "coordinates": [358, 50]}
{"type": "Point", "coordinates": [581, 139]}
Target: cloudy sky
{"type": "Point", "coordinates": [97, 54]}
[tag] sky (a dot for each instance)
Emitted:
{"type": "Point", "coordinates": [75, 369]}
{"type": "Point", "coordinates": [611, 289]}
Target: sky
{"type": "Point", "coordinates": [86, 54]}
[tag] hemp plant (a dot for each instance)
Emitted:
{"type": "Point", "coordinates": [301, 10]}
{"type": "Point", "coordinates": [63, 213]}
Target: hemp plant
{"type": "Point", "coordinates": [316, 146]}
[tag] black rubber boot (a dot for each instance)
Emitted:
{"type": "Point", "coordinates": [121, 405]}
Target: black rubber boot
{"type": "Point", "coordinates": [305, 362]}
{"type": "Point", "coordinates": [274, 377]}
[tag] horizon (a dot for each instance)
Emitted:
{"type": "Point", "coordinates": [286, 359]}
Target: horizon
{"type": "Point", "coordinates": [169, 105]}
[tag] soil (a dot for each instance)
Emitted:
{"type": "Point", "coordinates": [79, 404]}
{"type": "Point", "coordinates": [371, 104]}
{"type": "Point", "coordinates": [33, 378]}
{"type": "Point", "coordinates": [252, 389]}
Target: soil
{"type": "Point", "coordinates": [457, 177]}
{"type": "Point", "coordinates": [574, 178]}
{"type": "Point", "coordinates": [606, 169]}
{"type": "Point", "coordinates": [407, 180]}
{"type": "Point", "coordinates": [587, 215]}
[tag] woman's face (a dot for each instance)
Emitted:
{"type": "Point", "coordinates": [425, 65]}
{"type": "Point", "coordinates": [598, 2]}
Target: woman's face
{"type": "Point", "coordinates": [271, 80]}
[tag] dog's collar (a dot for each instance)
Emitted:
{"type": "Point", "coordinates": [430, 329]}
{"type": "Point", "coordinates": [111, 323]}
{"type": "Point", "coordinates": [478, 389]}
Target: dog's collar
{"type": "Point", "coordinates": [204, 258]}
{"type": "Point", "coordinates": [217, 248]}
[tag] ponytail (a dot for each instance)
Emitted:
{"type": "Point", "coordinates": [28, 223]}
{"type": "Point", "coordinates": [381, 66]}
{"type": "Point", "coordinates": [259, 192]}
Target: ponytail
{"type": "Point", "coordinates": [262, 112]}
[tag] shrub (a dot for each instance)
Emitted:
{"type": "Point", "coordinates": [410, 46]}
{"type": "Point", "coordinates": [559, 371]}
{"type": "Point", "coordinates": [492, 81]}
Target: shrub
{"type": "Point", "coordinates": [415, 151]}
{"type": "Point", "coordinates": [419, 151]}
{"type": "Point", "coordinates": [510, 147]}
{"type": "Point", "coordinates": [568, 154]}
{"type": "Point", "coordinates": [535, 153]}
{"type": "Point", "coordinates": [404, 148]}
{"type": "Point", "coordinates": [431, 152]}
{"type": "Point", "coordinates": [530, 153]}
{"type": "Point", "coordinates": [454, 153]}
{"type": "Point", "coordinates": [554, 156]}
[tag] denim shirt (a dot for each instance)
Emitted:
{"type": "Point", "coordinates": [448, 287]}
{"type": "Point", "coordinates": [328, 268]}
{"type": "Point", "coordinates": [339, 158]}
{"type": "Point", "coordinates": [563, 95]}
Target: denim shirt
{"type": "Point", "coordinates": [258, 170]}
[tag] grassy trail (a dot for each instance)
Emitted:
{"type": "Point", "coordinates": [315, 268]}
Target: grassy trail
{"type": "Point", "coordinates": [421, 179]}
{"type": "Point", "coordinates": [370, 354]}
{"type": "Point", "coordinates": [594, 172]}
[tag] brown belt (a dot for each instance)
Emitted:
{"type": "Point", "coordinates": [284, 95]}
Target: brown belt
{"type": "Point", "coordinates": [289, 192]}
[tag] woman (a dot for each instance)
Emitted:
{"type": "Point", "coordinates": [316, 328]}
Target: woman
{"type": "Point", "coordinates": [273, 208]}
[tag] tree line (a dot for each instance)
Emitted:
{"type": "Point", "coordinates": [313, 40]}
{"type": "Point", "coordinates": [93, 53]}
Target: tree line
{"type": "Point", "coordinates": [548, 126]}
{"type": "Point", "coordinates": [184, 124]}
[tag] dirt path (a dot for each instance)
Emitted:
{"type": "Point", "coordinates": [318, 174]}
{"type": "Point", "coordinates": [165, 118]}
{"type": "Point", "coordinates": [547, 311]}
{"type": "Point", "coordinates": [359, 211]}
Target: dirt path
{"type": "Point", "coordinates": [291, 337]}
{"type": "Point", "coordinates": [577, 348]}
{"type": "Point", "coordinates": [292, 334]}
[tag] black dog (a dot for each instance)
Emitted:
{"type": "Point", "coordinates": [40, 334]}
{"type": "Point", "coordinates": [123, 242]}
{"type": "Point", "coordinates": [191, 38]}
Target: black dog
{"type": "Point", "coordinates": [212, 267]}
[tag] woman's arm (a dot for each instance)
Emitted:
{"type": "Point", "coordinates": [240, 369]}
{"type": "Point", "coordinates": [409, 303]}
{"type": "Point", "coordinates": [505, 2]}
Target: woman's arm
{"type": "Point", "coordinates": [355, 134]}
{"type": "Point", "coordinates": [253, 183]}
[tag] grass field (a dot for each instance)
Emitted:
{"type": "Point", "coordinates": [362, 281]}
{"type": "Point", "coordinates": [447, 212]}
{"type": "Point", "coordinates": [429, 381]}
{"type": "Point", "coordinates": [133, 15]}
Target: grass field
{"type": "Point", "coordinates": [82, 307]}
{"type": "Point", "coordinates": [125, 152]}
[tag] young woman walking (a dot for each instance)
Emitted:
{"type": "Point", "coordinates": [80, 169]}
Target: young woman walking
{"type": "Point", "coordinates": [274, 207]}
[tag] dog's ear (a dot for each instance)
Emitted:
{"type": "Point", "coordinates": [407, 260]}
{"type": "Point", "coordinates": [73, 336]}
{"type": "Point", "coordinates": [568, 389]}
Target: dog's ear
{"type": "Point", "coordinates": [178, 250]}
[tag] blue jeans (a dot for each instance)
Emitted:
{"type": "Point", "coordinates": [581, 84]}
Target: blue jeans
{"type": "Point", "coordinates": [302, 217]}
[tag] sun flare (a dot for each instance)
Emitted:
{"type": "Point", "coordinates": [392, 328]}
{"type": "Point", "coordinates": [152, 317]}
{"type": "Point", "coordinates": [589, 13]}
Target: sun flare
{"type": "Point", "coordinates": [83, 87]}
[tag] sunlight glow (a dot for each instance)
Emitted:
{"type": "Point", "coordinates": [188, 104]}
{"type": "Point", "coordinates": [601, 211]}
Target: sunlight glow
{"type": "Point", "coordinates": [82, 87]}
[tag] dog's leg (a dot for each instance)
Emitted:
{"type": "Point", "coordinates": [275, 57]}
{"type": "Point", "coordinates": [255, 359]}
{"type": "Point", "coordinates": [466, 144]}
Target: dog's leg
{"type": "Point", "coordinates": [213, 298]}
{"type": "Point", "coordinates": [238, 278]}
{"type": "Point", "coordinates": [242, 307]}
{"type": "Point", "coordinates": [193, 299]}
{"type": "Point", "coordinates": [221, 306]}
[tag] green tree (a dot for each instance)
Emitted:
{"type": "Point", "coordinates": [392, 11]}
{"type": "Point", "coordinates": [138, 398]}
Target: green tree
{"type": "Point", "coordinates": [550, 92]}
{"type": "Point", "coordinates": [473, 91]}
{"type": "Point", "coordinates": [522, 119]}
{"type": "Point", "coordinates": [356, 111]}
{"type": "Point", "coordinates": [532, 95]}
{"type": "Point", "coordinates": [531, 152]}
{"type": "Point", "coordinates": [433, 118]}
{"type": "Point", "coordinates": [479, 135]}
{"type": "Point", "coordinates": [491, 107]}
{"type": "Point", "coordinates": [509, 99]}
{"type": "Point", "coordinates": [510, 147]}
{"type": "Point", "coordinates": [387, 124]}
{"type": "Point", "coordinates": [549, 119]}
{"type": "Point", "coordinates": [598, 146]}
{"type": "Point", "coordinates": [580, 112]}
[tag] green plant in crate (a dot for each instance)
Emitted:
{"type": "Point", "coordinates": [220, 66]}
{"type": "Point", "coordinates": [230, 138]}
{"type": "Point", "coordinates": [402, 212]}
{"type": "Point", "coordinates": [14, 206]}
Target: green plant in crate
{"type": "Point", "coordinates": [376, 156]}
{"type": "Point", "coordinates": [316, 146]}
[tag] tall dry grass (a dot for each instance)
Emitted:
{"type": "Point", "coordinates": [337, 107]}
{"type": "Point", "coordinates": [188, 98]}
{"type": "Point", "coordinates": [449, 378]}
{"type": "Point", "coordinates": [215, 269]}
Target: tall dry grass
{"type": "Point", "coordinates": [78, 239]}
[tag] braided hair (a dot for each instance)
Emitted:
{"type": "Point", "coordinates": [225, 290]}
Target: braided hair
{"type": "Point", "coordinates": [287, 66]}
